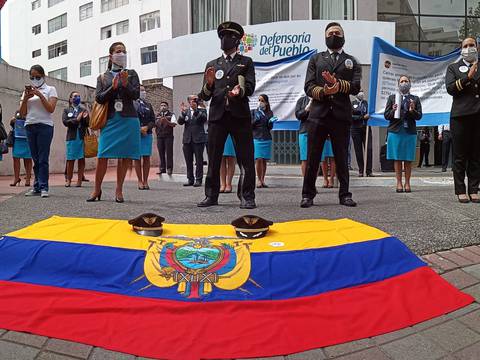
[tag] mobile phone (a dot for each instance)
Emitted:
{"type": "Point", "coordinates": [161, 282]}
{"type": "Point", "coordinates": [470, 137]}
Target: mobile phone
{"type": "Point", "coordinates": [28, 87]}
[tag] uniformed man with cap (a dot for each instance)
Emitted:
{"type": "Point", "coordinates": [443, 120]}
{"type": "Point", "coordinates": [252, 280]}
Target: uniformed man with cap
{"type": "Point", "coordinates": [228, 82]}
{"type": "Point", "coordinates": [332, 76]}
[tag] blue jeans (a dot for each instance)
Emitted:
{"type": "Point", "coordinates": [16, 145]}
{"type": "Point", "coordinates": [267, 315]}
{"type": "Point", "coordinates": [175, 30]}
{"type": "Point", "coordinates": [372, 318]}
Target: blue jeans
{"type": "Point", "coordinates": [39, 139]}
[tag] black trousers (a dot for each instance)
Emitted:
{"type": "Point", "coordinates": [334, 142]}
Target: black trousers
{"type": "Point", "coordinates": [424, 151]}
{"type": "Point", "coordinates": [340, 137]}
{"type": "Point", "coordinates": [243, 142]}
{"type": "Point", "coordinates": [189, 151]}
{"type": "Point", "coordinates": [465, 131]}
{"type": "Point", "coordinates": [358, 137]}
{"type": "Point", "coordinates": [446, 145]}
{"type": "Point", "coordinates": [165, 152]}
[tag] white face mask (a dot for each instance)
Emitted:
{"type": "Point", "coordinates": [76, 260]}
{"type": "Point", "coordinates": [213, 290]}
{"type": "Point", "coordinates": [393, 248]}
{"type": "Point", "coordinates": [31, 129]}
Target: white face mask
{"type": "Point", "coordinates": [262, 106]}
{"type": "Point", "coordinates": [120, 59]}
{"type": "Point", "coordinates": [143, 95]}
{"type": "Point", "coordinates": [38, 83]}
{"type": "Point", "coordinates": [469, 54]}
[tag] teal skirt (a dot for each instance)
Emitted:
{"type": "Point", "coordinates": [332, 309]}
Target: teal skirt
{"type": "Point", "coordinates": [229, 149]}
{"type": "Point", "coordinates": [401, 146]}
{"type": "Point", "coordinates": [303, 144]}
{"type": "Point", "coordinates": [75, 148]}
{"type": "Point", "coordinates": [120, 138]}
{"type": "Point", "coordinates": [263, 149]}
{"type": "Point", "coordinates": [21, 149]}
{"type": "Point", "coordinates": [146, 142]}
{"type": "Point", "coordinates": [327, 150]}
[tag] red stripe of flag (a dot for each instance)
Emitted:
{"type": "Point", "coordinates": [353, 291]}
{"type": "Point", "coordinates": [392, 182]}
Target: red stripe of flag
{"type": "Point", "coordinates": [2, 2]}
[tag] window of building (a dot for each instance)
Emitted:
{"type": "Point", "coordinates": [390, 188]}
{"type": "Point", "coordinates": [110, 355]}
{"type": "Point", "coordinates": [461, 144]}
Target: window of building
{"type": "Point", "coordinates": [333, 9]}
{"type": "Point", "coordinates": [431, 27]}
{"type": "Point", "coordinates": [57, 23]}
{"type": "Point", "coordinates": [60, 74]}
{"type": "Point", "coordinates": [106, 32]}
{"type": "Point", "coordinates": [108, 5]}
{"type": "Point", "coordinates": [36, 53]}
{"type": "Point", "coordinates": [149, 54]}
{"type": "Point", "coordinates": [37, 29]}
{"type": "Point", "coordinates": [57, 49]}
{"type": "Point", "coordinates": [207, 14]}
{"type": "Point", "coordinates": [264, 11]}
{"type": "Point", "coordinates": [122, 27]}
{"type": "Point", "coordinates": [150, 21]}
{"type": "Point", "coordinates": [86, 11]}
{"type": "Point", "coordinates": [86, 68]}
{"type": "Point", "coordinates": [36, 4]}
{"type": "Point", "coordinates": [54, 2]}
{"type": "Point", "coordinates": [103, 64]}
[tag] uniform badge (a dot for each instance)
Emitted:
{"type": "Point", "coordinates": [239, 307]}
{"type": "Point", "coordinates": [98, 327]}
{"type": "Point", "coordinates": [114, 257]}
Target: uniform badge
{"type": "Point", "coordinates": [118, 105]}
{"type": "Point", "coordinates": [349, 64]}
{"type": "Point", "coordinates": [355, 106]}
{"type": "Point", "coordinates": [70, 114]}
{"type": "Point", "coordinates": [219, 74]}
{"type": "Point", "coordinates": [463, 69]}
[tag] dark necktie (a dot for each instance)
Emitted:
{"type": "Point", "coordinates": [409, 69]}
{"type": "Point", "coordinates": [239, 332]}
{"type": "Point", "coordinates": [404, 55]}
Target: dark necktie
{"type": "Point", "coordinates": [228, 58]}
{"type": "Point", "coordinates": [334, 57]}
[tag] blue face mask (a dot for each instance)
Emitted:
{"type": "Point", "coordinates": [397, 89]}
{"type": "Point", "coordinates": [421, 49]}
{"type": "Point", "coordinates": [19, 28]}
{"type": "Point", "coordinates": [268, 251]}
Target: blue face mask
{"type": "Point", "coordinates": [76, 100]}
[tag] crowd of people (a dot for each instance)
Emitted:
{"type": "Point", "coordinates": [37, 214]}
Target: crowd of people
{"type": "Point", "coordinates": [233, 134]}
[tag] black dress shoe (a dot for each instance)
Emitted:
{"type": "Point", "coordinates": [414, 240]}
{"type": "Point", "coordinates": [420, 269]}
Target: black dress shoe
{"type": "Point", "coordinates": [197, 184]}
{"type": "Point", "coordinates": [208, 201]}
{"type": "Point", "coordinates": [248, 204]}
{"type": "Point", "coordinates": [169, 172]}
{"type": "Point", "coordinates": [306, 203]}
{"type": "Point", "coordinates": [188, 183]}
{"type": "Point", "coordinates": [444, 169]}
{"type": "Point", "coordinates": [360, 174]}
{"type": "Point", "coordinates": [348, 202]}
{"type": "Point", "coordinates": [370, 175]}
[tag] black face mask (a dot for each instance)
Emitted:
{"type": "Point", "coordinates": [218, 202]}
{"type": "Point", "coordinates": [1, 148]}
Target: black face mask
{"type": "Point", "coordinates": [228, 43]}
{"type": "Point", "coordinates": [335, 42]}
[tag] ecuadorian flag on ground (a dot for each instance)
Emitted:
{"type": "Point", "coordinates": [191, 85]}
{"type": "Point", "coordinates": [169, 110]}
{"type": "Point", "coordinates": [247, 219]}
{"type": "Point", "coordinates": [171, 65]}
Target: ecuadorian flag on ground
{"type": "Point", "coordinates": [199, 292]}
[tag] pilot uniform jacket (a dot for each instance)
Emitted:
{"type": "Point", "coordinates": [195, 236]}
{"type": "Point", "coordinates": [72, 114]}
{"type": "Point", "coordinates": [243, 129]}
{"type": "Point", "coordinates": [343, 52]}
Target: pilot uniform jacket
{"type": "Point", "coordinates": [465, 92]}
{"type": "Point", "coordinates": [106, 94]}
{"type": "Point", "coordinates": [410, 116]}
{"type": "Point", "coordinates": [332, 108]}
{"type": "Point", "coordinates": [194, 131]}
{"type": "Point", "coordinates": [146, 115]}
{"type": "Point", "coordinates": [226, 78]}
{"type": "Point", "coordinates": [69, 119]}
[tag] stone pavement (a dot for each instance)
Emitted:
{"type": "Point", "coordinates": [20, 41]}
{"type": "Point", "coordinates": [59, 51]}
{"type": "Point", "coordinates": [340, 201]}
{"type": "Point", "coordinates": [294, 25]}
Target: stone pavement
{"type": "Point", "coordinates": [428, 220]}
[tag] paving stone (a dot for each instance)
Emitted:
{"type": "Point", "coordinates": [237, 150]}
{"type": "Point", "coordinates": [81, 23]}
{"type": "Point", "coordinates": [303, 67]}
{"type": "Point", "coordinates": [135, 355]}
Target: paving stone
{"type": "Point", "coordinates": [429, 323]}
{"type": "Point", "coordinates": [474, 291]}
{"type": "Point", "coordinates": [369, 354]}
{"type": "Point", "coordinates": [463, 311]}
{"type": "Point", "coordinates": [394, 335]}
{"type": "Point", "coordinates": [102, 354]}
{"type": "Point", "coordinates": [69, 348]}
{"type": "Point", "coordinates": [12, 351]}
{"type": "Point", "coordinates": [475, 249]}
{"type": "Point", "coordinates": [469, 353]}
{"type": "Point", "coordinates": [467, 254]}
{"type": "Point", "coordinates": [460, 279]}
{"type": "Point", "coordinates": [413, 347]}
{"type": "Point", "coordinates": [457, 259]}
{"type": "Point", "coordinates": [452, 336]}
{"type": "Point", "coordinates": [45, 355]}
{"type": "Point", "coordinates": [316, 354]}
{"type": "Point", "coordinates": [24, 338]}
{"type": "Point", "coordinates": [473, 270]}
{"type": "Point", "coordinates": [472, 320]}
{"type": "Point", "coordinates": [440, 262]}
{"type": "Point", "coordinates": [347, 348]}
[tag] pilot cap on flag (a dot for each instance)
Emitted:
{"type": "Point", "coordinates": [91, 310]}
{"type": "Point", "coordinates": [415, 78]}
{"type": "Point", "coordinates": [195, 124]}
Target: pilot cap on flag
{"type": "Point", "coordinates": [231, 26]}
{"type": "Point", "coordinates": [148, 224]}
{"type": "Point", "coordinates": [251, 226]}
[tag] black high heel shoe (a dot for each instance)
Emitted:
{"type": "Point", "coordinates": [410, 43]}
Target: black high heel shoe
{"type": "Point", "coordinates": [94, 198]}
{"type": "Point", "coordinates": [15, 182]}
{"type": "Point", "coordinates": [119, 200]}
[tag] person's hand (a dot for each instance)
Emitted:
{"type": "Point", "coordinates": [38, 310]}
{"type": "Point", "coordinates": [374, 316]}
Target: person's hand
{"type": "Point", "coordinates": [473, 70]}
{"type": "Point", "coordinates": [331, 90]}
{"type": "Point", "coordinates": [366, 117]}
{"type": "Point", "coordinates": [309, 105]}
{"type": "Point", "coordinates": [235, 91]}
{"type": "Point", "coordinates": [169, 123]}
{"type": "Point", "coordinates": [440, 137]}
{"type": "Point", "coordinates": [115, 82]}
{"type": "Point", "coordinates": [329, 78]}
{"type": "Point", "coordinates": [395, 107]}
{"type": "Point", "coordinates": [124, 77]}
{"type": "Point", "coordinates": [411, 106]}
{"type": "Point", "coordinates": [28, 94]}
{"type": "Point", "coordinates": [183, 107]}
{"type": "Point", "coordinates": [80, 116]}
{"type": "Point", "coordinates": [210, 76]}
{"type": "Point", "coordinates": [144, 130]}
{"type": "Point", "coordinates": [37, 92]}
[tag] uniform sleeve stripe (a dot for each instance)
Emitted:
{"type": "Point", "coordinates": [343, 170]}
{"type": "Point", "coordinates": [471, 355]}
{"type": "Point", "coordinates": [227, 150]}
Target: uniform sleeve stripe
{"type": "Point", "coordinates": [206, 91]}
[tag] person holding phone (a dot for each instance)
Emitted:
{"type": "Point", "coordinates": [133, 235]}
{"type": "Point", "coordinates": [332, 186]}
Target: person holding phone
{"type": "Point", "coordinates": [39, 101]}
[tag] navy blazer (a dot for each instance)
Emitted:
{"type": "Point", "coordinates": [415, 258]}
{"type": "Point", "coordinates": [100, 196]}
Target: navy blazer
{"type": "Point", "coordinates": [261, 125]}
{"type": "Point", "coordinates": [194, 131]}
{"type": "Point", "coordinates": [411, 116]}
{"type": "Point", "coordinates": [69, 119]}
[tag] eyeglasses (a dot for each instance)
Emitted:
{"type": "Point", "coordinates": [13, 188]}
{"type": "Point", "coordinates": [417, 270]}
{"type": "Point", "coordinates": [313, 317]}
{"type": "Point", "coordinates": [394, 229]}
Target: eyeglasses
{"type": "Point", "coordinates": [36, 78]}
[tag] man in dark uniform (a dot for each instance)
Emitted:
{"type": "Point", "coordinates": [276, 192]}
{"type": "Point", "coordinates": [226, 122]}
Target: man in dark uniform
{"type": "Point", "coordinates": [331, 77]}
{"type": "Point", "coordinates": [359, 133]}
{"type": "Point", "coordinates": [164, 125]}
{"type": "Point", "coordinates": [228, 82]}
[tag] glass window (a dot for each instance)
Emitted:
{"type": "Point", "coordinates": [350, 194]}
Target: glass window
{"type": "Point", "coordinates": [332, 9]}
{"type": "Point", "coordinates": [471, 27]}
{"type": "Point", "coordinates": [86, 68]}
{"type": "Point", "coordinates": [406, 27]}
{"type": "Point", "coordinates": [122, 27]}
{"type": "Point", "coordinates": [103, 64]}
{"type": "Point", "coordinates": [207, 14]}
{"type": "Point", "coordinates": [53, 2]}
{"type": "Point", "coordinates": [264, 11]}
{"type": "Point", "coordinates": [441, 29]}
{"type": "Point", "coordinates": [437, 48]}
{"type": "Point", "coordinates": [108, 5]}
{"type": "Point", "coordinates": [86, 11]}
{"type": "Point", "coordinates": [57, 23]}
{"type": "Point", "coordinates": [106, 32]}
{"type": "Point", "coordinates": [57, 49]}
{"type": "Point", "coordinates": [36, 53]}
{"type": "Point", "coordinates": [398, 6]}
{"type": "Point", "coordinates": [60, 74]}
{"type": "Point", "coordinates": [150, 21]}
{"type": "Point", "coordinates": [37, 29]}
{"type": "Point", "coordinates": [442, 7]}
{"type": "Point", "coordinates": [149, 54]}
{"type": "Point", "coordinates": [36, 4]}
{"type": "Point", "coordinates": [408, 45]}
{"type": "Point", "coordinates": [473, 7]}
